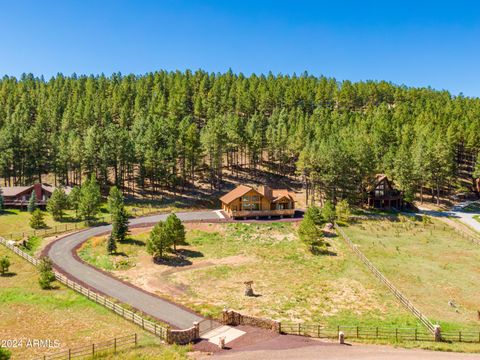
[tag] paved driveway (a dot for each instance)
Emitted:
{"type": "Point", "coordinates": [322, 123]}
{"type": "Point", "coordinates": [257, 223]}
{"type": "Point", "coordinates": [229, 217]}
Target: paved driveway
{"type": "Point", "coordinates": [61, 254]}
{"type": "Point", "coordinates": [459, 213]}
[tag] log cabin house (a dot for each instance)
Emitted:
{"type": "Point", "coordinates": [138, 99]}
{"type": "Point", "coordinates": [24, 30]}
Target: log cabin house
{"type": "Point", "coordinates": [19, 196]}
{"type": "Point", "coordinates": [381, 194]}
{"type": "Point", "coordinates": [245, 201]}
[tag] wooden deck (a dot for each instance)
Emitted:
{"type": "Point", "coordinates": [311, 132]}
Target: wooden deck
{"type": "Point", "coordinates": [261, 213]}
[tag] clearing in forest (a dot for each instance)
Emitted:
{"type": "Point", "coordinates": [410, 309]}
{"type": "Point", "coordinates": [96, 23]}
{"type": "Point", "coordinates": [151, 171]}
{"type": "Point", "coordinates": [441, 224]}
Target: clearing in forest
{"type": "Point", "coordinates": [291, 283]}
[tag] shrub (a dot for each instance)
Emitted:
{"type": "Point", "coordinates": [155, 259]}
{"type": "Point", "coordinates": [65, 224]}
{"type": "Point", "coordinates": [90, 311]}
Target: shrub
{"type": "Point", "coordinates": [5, 354]}
{"type": "Point", "coordinates": [328, 211]}
{"type": "Point", "coordinates": [343, 211]}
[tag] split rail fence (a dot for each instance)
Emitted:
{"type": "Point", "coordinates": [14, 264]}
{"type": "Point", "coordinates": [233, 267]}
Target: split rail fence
{"type": "Point", "coordinates": [377, 333]}
{"type": "Point", "coordinates": [402, 298]}
{"type": "Point", "coordinates": [158, 330]}
{"type": "Point", "coordinates": [118, 343]}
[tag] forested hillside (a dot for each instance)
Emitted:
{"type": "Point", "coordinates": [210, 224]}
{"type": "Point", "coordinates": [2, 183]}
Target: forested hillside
{"type": "Point", "coordinates": [163, 130]}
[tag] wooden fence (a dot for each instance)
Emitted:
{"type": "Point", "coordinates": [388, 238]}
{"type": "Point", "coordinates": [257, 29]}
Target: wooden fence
{"type": "Point", "coordinates": [402, 298]}
{"type": "Point", "coordinates": [377, 333]}
{"type": "Point", "coordinates": [63, 228]}
{"type": "Point", "coordinates": [118, 343]}
{"type": "Point", "coordinates": [158, 330]}
{"type": "Point", "coordinates": [358, 332]}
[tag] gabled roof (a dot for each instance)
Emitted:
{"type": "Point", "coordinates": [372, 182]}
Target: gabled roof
{"type": "Point", "coordinates": [235, 193]}
{"type": "Point", "coordinates": [14, 190]}
{"type": "Point", "coordinates": [377, 180]}
{"type": "Point", "coordinates": [9, 191]}
{"type": "Point", "coordinates": [272, 195]}
{"type": "Point", "coordinates": [279, 194]}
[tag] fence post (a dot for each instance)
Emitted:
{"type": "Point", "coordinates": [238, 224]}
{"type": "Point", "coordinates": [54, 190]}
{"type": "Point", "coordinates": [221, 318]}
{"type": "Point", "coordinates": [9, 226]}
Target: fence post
{"type": "Point", "coordinates": [357, 332]}
{"type": "Point", "coordinates": [338, 330]}
{"type": "Point", "coordinates": [136, 336]}
{"type": "Point", "coordinates": [69, 354]}
{"type": "Point", "coordinates": [437, 333]}
{"type": "Point", "coordinates": [416, 334]}
{"type": "Point", "coordinates": [376, 333]}
{"type": "Point", "coordinates": [318, 331]}
{"type": "Point", "coordinates": [93, 349]}
{"type": "Point", "coordinates": [396, 334]}
{"type": "Point", "coordinates": [115, 345]}
{"type": "Point", "coordinates": [460, 336]}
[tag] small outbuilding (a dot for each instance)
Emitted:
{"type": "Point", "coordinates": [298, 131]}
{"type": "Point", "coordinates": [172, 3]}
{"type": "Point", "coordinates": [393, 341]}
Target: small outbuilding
{"type": "Point", "coordinates": [381, 194]}
{"type": "Point", "coordinates": [245, 201]}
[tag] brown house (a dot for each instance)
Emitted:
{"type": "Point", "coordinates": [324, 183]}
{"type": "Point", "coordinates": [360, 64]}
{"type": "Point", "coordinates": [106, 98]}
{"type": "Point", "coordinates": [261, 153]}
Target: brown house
{"type": "Point", "coordinates": [245, 201]}
{"type": "Point", "coordinates": [383, 195]}
{"type": "Point", "coordinates": [19, 196]}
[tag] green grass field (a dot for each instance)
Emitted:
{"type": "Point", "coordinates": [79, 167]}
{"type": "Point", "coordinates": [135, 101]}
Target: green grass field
{"type": "Point", "coordinates": [292, 283]}
{"type": "Point", "coordinates": [27, 312]}
{"type": "Point", "coordinates": [429, 263]}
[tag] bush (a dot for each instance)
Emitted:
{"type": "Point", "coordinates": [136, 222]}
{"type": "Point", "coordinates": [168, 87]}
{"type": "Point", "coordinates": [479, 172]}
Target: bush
{"type": "Point", "coordinates": [5, 354]}
{"type": "Point", "coordinates": [57, 204]}
{"type": "Point", "coordinates": [4, 265]}
{"type": "Point", "coordinates": [47, 275]}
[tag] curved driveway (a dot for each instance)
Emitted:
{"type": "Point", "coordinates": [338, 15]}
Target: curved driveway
{"type": "Point", "coordinates": [61, 253]}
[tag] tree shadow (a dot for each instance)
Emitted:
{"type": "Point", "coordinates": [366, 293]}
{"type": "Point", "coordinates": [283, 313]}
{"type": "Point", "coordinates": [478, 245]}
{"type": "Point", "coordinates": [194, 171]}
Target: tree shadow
{"type": "Point", "coordinates": [120, 253]}
{"type": "Point", "coordinates": [7, 212]}
{"type": "Point", "coordinates": [187, 253]}
{"type": "Point", "coordinates": [8, 274]}
{"type": "Point", "coordinates": [130, 241]}
{"type": "Point", "coordinates": [174, 261]}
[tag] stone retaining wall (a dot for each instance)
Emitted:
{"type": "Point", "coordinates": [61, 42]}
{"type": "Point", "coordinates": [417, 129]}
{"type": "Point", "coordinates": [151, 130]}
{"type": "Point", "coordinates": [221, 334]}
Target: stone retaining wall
{"type": "Point", "coordinates": [230, 317]}
{"type": "Point", "coordinates": [184, 336]}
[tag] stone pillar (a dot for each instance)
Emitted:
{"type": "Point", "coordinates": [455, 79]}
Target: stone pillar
{"type": "Point", "coordinates": [225, 320]}
{"type": "Point", "coordinates": [437, 332]}
{"type": "Point", "coordinates": [341, 337]}
{"type": "Point", "coordinates": [196, 325]}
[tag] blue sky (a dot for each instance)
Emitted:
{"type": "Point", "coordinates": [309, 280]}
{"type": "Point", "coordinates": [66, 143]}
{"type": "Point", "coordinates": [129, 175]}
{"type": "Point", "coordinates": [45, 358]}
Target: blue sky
{"type": "Point", "coordinates": [416, 43]}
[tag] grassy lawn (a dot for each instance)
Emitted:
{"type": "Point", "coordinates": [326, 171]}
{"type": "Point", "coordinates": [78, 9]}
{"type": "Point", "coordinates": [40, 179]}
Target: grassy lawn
{"type": "Point", "coordinates": [429, 263]}
{"type": "Point", "coordinates": [17, 221]}
{"type": "Point", "coordinates": [27, 312]}
{"type": "Point", "coordinates": [477, 217]}
{"type": "Point", "coordinates": [291, 283]}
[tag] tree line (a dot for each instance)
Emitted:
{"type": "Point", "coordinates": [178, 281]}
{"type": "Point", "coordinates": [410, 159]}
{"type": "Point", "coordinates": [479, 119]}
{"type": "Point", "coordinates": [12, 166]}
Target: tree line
{"type": "Point", "coordinates": [169, 130]}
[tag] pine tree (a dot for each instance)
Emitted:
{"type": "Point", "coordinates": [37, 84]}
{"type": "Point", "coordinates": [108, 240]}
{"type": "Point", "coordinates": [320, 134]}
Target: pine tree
{"type": "Point", "coordinates": [175, 230]}
{"type": "Point", "coordinates": [308, 232]}
{"type": "Point", "coordinates": [46, 274]}
{"type": "Point", "coordinates": [37, 220]}
{"type": "Point", "coordinates": [343, 211]}
{"type": "Point", "coordinates": [118, 213]}
{"type": "Point", "coordinates": [111, 244]}
{"type": "Point", "coordinates": [90, 200]}
{"type": "Point", "coordinates": [159, 241]}
{"type": "Point", "coordinates": [4, 264]}
{"type": "Point", "coordinates": [32, 203]}
{"type": "Point", "coordinates": [74, 199]}
{"type": "Point", "coordinates": [328, 211]}
{"type": "Point", "coordinates": [57, 204]}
